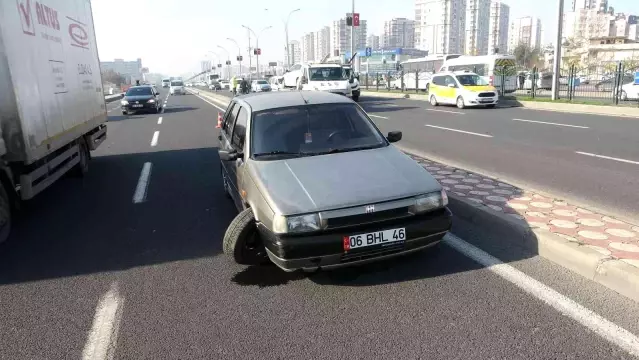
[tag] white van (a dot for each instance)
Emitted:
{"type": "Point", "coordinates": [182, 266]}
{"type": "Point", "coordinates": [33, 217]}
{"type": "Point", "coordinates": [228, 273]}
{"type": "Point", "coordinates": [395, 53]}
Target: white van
{"type": "Point", "coordinates": [177, 87]}
{"type": "Point", "coordinates": [166, 83]}
{"type": "Point", "coordinates": [325, 77]}
{"type": "Point", "coordinates": [490, 67]}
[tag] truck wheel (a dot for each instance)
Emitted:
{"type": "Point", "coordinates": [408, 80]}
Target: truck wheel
{"type": "Point", "coordinates": [83, 152]}
{"type": "Point", "coordinates": [242, 241]}
{"type": "Point", "coordinates": [5, 215]}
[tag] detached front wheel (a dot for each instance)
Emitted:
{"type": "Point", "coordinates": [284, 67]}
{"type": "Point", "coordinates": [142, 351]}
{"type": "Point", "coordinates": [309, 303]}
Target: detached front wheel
{"type": "Point", "coordinates": [242, 241]}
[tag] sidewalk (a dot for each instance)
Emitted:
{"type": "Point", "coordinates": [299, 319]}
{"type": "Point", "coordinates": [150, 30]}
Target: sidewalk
{"type": "Point", "coordinates": [624, 111]}
{"type": "Point", "coordinates": [594, 245]}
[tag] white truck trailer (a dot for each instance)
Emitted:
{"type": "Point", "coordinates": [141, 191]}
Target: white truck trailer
{"type": "Point", "coordinates": [52, 107]}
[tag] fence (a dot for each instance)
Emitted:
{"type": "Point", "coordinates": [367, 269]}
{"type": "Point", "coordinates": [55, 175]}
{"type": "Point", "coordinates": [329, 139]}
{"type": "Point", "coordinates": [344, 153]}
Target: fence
{"type": "Point", "coordinates": [613, 86]}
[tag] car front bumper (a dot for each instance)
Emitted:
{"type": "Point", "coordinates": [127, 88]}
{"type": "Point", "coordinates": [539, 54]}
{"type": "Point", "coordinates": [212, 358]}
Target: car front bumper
{"type": "Point", "coordinates": [145, 107]}
{"type": "Point", "coordinates": [324, 250]}
{"type": "Point", "coordinates": [481, 101]}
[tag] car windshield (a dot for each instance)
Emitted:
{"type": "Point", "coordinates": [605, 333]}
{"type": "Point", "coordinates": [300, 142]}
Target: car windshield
{"type": "Point", "coordinates": [139, 91]}
{"type": "Point", "coordinates": [176, 83]}
{"type": "Point", "coordinates": [326, 73]}
{"type": "Point", "coordinates": [471, 80]}
{"type": "Point", "coordinates": [262, 82]}
{"type": "Point", "coordinates": [312, 130]}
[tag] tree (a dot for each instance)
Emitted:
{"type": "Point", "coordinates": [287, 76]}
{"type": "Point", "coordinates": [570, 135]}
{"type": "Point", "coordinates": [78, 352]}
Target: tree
{"type": "Point", "coordinates": [526, 56]}
{"type": "Point", "coordinates": [113, 77]}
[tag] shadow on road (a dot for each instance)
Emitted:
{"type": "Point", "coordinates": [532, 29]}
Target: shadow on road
{"type": "Point", "coordinates": [112, 118]}
{"type": "Point", "coordinates": [91, 225]}
{"type": "Point", "coordinates": [178, 109]}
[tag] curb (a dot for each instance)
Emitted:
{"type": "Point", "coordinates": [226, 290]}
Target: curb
{"type": "Point", "coordinates": [112, 98]}
{"type": "Point", "coordinates": [605, 270]}
{"type": "Point", "coordinates": [619, 111]}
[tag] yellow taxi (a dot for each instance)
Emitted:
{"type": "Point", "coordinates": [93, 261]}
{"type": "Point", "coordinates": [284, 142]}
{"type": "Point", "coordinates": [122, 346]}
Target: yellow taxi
{"type": "Point", "coordinates": [462, 88]}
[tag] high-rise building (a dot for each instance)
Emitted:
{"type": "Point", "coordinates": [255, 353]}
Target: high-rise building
{"type": "Point", "coordinates": [308, 47]}
{"type": "Point", "coordinates": [295, 52]}
{"type": "Point", "coordinates": [525, 30]}
{"type": "Point", "coordinates": [599, 5]}
{"type": "Point", "coordinates": [498, 27]}
{"type": "Point", "coordinates": [128, 69]}
{"type": "Point", "coordinates": [341, 36]}
{"type": "Point", "coordinates": [372, 41]}
{"type": "Point", "coordinates": [398, 33]}
{"type": "Point", "coordinates": [477, 26]}
{"type": "Point", "coordinates": [322, 42]}
{"type": "Point", "coordinates": [440, 26]}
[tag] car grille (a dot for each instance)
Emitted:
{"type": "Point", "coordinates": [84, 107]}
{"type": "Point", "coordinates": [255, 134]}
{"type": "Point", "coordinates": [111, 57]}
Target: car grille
{"type": "Point", "coordinates": [367, 254]}
{"type": "Point", "coordinates": [486, 94]}
{"type": "Point", "coordinates": [374, 217]}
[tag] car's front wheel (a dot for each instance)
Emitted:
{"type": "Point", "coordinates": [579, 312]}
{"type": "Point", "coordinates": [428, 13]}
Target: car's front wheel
{"type": "Point", "coordinates": [433, 100]}
{"type": "Point", "coordinates": [460, 102]}
{"type": "Point", "coordinates": [242, 241]}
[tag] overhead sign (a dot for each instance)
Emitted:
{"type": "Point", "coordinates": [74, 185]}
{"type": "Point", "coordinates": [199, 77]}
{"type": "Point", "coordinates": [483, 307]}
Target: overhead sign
{"type": "Point", "coordinates": [369, 51]}
{"type": "Point", "coordinates": [239, 58]}
{"type": "Point", "coordinates": [228, 62]}
{"type": "Point", "coordinates": [219, 65]}
{"type": "Point", "coordinates": [356, 19]}
{"type": "Point", "coordinates": [272, 63]}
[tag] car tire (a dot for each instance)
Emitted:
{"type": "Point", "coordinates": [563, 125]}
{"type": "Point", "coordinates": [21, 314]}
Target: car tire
{"type": "Point", "coordinates": [491, 106]}
{"type": "Point", "coordinates": [242, 240]}
{"type": "Point", "coordinates": [624, 95]}
{"type": "Point", "coordinates": [5, 215]}
{"type": "Point", "coordinates": [356, 97]}
{"type": "Point", "coordinates": [460, 102]}
{"type": "Point", "coordinates": [433, 100]}
{"type": "Point", "coordinates": [82, 168]}
{"type": "Point", "coordinates": [125, 112]}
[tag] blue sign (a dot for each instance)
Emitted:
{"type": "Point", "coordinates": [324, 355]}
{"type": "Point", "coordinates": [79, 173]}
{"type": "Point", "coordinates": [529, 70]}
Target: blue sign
{"type": "Point", "coordinates": [369, 51]}
{"type": "Point", "coordinates": [637, 78]}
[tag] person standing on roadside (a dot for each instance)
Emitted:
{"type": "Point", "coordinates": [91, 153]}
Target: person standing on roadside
{"type": "Point", "coordinates": [234, 85]}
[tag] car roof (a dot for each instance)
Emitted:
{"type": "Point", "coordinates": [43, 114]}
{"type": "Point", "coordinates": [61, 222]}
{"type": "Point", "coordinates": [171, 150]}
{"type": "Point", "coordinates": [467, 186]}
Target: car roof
{"type": "Point", "coordinates": [280, 99]}
{"type": "Point", "coordinates": [453, 73]}
{"type": "Point", "coordinates": [140, 86]}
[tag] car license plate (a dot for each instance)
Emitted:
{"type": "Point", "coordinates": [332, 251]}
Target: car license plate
{"type": "Point", "coordinates": [375, 238]}
{"type": "Point", "coordinates": [137, 105]}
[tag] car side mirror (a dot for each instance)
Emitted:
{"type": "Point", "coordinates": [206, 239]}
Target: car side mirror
{"type": "Point", "coordinates": [229, 155]}
{"type": "Point", "coordinates": [451, 85]}
{"type": "Point", "coordinates": [394, 136]}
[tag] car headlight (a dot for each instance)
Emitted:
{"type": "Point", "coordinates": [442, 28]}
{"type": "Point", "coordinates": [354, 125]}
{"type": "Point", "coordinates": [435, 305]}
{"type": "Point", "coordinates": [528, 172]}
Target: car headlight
{"type": "Point", "coordinates": [124, 102]}
{"type": "Point", "coordinates": [429, 202]}
{"type": "Point", "coordinates": [151, 101]}
{"type": "Point", "coordinates": [296, 224]}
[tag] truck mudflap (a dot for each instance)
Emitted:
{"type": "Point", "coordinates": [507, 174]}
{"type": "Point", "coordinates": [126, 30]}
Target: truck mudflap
{"type": "Point", "coordinates": [96, 137]}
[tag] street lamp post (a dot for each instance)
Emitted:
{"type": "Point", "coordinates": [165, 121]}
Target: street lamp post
{"type": "Point", "coordinates": [257, 45]}
{"type": "Point", "coordinates": [228, 58]}
{"type": "Point", "coordinates": [239, 52]}
{"type": "Point", "coordinates": [288, 53]}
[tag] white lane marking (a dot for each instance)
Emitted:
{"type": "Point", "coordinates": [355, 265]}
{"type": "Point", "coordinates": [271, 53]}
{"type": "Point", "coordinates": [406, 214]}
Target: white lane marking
{"type": "Point", "coordinates": [448, 111]}
{"type": "Point", "coordinates": [586, 317]}
{"type": "Point", "coordinates": [143, 184]}
{"type": "Point", "coordinates": [103, 336]}
{"type": "Point", "coordinates": [377, 116]}
{"type": "Point", "coordinates": [154, 140]}
{"type": "Point", "coordinates": [608, 158]}
{"type": "Point", "coordinates": [160, 121]}
{"type": "Point", "coordinates": [210, 103]}
{"type": "Point", "coordinates": [460, 131]}
{"type": "Point", "coordinates": [552, 123]}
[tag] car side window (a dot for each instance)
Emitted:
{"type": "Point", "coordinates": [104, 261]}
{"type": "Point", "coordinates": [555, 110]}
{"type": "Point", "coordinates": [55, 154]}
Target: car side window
{"type": "Point", "coordinates": [449, 80]}
{"type": "Point", "coordinates": [227, 117]}
{"type": "Point", "coordinates": [239, 131]}
{"type": "Point", "coordinates": [232, 119]}
{"type": "Point", "coordinates": [437, 80]}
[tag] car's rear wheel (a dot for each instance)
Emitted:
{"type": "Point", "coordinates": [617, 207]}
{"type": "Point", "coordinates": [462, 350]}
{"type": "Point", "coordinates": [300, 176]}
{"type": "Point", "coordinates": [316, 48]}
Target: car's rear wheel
{"type": "Point", "coordinates": [433, 100]}
{"type": "Point", "coordinates": [242, 240]}
{"type": "Point", "coordinates": [624, 95]}
{"type": "Point", "coordinates": [460, 102]}
{"type": "Point", "coordinates": [5, 215]}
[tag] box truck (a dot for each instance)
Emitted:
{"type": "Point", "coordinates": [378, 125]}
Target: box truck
{"type": "Point", "coordinates": [52, 109]}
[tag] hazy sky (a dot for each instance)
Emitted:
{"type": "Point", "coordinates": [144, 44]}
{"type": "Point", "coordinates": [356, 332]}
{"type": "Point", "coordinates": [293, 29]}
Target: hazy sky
{"type": "Point", "coordinates": [173, 36]}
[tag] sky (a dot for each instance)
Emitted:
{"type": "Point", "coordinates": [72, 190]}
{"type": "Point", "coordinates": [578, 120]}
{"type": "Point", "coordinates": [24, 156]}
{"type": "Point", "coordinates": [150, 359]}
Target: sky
{"type": "Point", "coordinates": [173, 36]}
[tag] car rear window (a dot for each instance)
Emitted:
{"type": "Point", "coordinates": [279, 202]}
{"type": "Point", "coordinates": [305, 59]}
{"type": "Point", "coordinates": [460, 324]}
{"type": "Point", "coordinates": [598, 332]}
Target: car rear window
{"type": "Point", "coordinates": [139, 91]}
{"type": "Point", "coordinates": [313, 129]}
{"type": "Point", "coordinates": [176, 83]}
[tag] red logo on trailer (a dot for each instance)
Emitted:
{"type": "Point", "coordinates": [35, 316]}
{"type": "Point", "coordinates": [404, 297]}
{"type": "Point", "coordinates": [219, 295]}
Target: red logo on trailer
{"type": "Point", "coordinates": [355, 19]}
{"type": "Point", "coordinates": [78, 33]}
{"type": "Point", "coordinates": [24, 8]}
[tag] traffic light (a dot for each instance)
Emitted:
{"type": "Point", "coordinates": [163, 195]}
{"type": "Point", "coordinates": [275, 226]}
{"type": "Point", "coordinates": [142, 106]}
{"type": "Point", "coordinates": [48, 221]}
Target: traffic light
{"type": "Point", "coordinates": [228, 62]}
{"type": "Point", "coordinates": [349, 21]}
{"type": "Point", "coordinates": [239, 58]}
{"type": "Point", "coordinates": [257, 51]}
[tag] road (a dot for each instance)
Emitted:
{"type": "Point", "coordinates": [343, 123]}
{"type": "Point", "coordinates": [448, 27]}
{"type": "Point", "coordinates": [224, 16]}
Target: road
{"type": "Point", "coordinates": [588, 159]}
{"type": "Point", "coordinates": [127, 264]}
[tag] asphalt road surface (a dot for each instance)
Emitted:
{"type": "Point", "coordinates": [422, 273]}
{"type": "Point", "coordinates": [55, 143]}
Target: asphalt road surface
{"type": "Point", "coordinates": [127, 264]}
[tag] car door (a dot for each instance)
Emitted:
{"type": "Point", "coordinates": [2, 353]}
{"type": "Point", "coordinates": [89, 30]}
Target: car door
{"type": "Point", "coordinates": [237, 143]}
{"type": "Point", "coordinates": [225, 138]}
{"type": "Point", "coordinates": [450, 94]}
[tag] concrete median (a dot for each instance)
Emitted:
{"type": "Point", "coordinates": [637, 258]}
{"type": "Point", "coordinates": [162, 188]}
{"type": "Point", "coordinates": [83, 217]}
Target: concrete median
{"type": "Point", "coordinates": [112, 98]}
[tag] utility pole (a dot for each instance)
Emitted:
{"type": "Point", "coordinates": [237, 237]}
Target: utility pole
{"type": "Point", "coordinates": [353, 29]}
{"type": "Point", "coordinates": [557, 61]}
{"type": "Point", "coordinates": [249, 54]}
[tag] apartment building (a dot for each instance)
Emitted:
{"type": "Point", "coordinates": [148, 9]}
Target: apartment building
{"type": "Point", "coordinates": [440, 26]}
{"type": "Point", "coordinates": [498, 27]}
{"type": "Point", "coordinates": [398, 33]}
{"type": "Point", "coordinates": [525, 30]}
{"type": "Point", "coordinates": [372, 41]}
{"type": "Point", "coordinates": [322, 42]}
{"type": "Point", "coordinates": [341, 36]}
{"type": "Point", "coordinates": [308, 47]}
{"type": "Point", "coordinates": [295, 52]}
{"type": "Point", "coordinates": [477, 27]}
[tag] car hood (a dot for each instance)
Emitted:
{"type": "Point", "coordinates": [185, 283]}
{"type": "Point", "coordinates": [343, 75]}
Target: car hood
{"type": "Point", "coordinates": [325, 182]}
{"type": "Point", "coordinates": [138, 97]}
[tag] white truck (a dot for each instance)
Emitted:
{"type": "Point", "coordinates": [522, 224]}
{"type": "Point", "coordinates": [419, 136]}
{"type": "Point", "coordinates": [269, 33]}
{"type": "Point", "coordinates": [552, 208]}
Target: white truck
{"type": "Point", "coordinates": [350, 74]}
{"type": "Point", "coordinates": [325, 77]}
{"type": "Point", "coordinates": [52, 107]}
